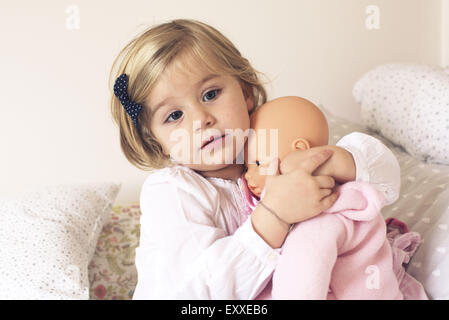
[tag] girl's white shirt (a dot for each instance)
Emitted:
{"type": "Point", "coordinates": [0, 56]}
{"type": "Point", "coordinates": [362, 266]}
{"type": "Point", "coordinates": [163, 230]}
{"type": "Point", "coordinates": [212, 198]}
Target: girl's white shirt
{"type": "Point", "coordinates": [195, 242]}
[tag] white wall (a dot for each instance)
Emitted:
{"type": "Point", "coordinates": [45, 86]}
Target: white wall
{"type": "Point", "coordinates": [444, 33]}
{"type": "Point", "coordinates": [55, 125]}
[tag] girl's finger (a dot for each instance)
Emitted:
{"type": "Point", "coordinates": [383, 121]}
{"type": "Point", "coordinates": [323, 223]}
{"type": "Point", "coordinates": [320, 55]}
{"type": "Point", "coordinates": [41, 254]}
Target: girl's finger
{"type": "Point", "coordinates": [324, 193]}
{"type": "Point", "coordinates": [325, 181]}
{"type": "Point", "coordinates": [328, 201]}
{"type": "Point", "coordinates": [314, 161]}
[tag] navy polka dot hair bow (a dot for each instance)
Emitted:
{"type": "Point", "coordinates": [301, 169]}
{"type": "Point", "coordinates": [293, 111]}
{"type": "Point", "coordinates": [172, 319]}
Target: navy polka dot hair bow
{"type": "Point", "coordinates": [121, 92]}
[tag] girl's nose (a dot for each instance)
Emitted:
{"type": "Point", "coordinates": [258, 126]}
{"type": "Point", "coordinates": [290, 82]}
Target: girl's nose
{"type": "Point", "coordinates": [205, 118]}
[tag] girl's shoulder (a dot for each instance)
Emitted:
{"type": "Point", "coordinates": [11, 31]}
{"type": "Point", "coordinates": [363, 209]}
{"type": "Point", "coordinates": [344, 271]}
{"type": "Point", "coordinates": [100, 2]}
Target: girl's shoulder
{"type": "Point", "coordinates": [178, 184]}
{"type": "Point", "coordinates": [180, 177]}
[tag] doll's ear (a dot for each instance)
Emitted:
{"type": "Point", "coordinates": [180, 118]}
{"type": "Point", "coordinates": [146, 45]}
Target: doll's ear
{"type": "Point", "coordinates": [300, 143]}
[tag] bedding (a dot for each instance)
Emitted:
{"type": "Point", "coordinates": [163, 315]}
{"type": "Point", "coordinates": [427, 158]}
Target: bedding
{"type": "Point", "coordinates": [47, 238]}
{"type": "Point", "coordinates": [112, 272]}
{"type": "Point", "coordinates": [409, 105]}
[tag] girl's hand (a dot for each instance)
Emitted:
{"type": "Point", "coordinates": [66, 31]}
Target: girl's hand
{"type": "Point", "coordinates": [297, 195]}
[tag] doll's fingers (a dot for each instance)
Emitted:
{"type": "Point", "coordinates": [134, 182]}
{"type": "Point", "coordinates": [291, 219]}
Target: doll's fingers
{"type": "Point", "coordinates": [325, 181]}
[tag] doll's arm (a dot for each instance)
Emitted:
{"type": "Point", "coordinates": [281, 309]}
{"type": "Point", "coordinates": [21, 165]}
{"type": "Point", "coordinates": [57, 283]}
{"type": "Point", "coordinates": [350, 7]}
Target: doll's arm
{"type": "Point", "coordinates": [340, 166]}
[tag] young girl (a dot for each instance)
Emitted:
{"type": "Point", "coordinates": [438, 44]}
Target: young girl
{"type": "Point", "coordinates": [185, 79]}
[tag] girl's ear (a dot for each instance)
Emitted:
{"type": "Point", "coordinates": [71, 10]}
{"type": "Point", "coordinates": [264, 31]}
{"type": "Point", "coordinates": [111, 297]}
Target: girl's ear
{"type": "Point", "coordinates": [300, 143]}
{"type": "Point", "coordinates": [250, 103]}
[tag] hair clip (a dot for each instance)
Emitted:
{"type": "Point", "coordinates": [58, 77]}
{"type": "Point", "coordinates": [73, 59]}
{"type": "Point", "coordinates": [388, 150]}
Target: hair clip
{"type": "Point", "coordinates": [121, 92]}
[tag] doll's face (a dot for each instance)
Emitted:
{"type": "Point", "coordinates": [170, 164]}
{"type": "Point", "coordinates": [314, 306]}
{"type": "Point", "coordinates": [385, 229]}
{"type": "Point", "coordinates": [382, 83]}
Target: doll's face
{"type": "Point", "coordinates": [265, 146]}
{"type": "Point", "coordinates": [279, 127]}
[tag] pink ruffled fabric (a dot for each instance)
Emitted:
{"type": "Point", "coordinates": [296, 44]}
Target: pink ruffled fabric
{"type": "Point", "coordinates": [404, 245]}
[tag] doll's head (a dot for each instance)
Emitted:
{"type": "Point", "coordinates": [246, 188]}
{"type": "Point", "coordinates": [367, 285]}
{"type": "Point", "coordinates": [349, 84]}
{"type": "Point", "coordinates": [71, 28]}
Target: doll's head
{"type": "Point", "coordinates": [299, 125]}
{"type": "Point", "coordinates": [148, 58]}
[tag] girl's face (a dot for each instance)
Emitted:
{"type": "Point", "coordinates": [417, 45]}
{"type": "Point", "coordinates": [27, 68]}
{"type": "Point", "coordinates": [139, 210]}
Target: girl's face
{"type": "Point", "coordinates": [190, 107]}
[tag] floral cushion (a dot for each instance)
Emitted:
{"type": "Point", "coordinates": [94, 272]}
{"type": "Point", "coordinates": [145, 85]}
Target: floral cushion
{"type": "Point", "coordinates": [112, 272]}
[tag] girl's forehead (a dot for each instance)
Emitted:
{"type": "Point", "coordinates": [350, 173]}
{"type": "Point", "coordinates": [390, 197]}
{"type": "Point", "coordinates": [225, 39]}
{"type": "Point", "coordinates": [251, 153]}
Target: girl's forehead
{"type": "Point", "coordinates": [179, 79]}
{"type": "Point", "coordinates": [182, 80]}
{"type": "Point", "coordinates": [187, 70]}
{"type": "Point", "coordinates": [179, 74]}
{"type": "Point", "coordinates": [190, 65]}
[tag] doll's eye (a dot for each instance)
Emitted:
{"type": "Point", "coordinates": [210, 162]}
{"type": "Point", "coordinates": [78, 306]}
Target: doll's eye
{"type": "Point", "coordinates": [257, 162]}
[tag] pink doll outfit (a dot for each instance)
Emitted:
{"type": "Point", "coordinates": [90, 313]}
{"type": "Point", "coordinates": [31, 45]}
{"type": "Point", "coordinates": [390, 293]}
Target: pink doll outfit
{"type": "Point", "coordinates": [344, 253]}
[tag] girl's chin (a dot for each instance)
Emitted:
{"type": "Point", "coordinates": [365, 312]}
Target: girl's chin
{"type": "Point", "coordinates": [213, 164]}
{"type": "Point", "coordinates": [210, 167]}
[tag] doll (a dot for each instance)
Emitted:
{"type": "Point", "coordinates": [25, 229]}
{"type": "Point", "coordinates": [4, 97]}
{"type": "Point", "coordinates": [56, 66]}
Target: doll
{"type": "Point", "coordinates": [343, 253]}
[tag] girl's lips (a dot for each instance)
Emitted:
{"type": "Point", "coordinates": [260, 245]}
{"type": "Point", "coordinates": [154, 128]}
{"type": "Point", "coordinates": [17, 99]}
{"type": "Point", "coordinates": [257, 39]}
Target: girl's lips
{"type": "Point", "coordinates": [211, 143]}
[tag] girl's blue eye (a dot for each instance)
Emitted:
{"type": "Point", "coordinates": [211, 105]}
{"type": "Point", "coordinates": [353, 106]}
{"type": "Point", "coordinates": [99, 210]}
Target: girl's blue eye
{"type": "Point", "coordinates": [212, 94]}
{"type": "Point", "coordinates": [176, 115]}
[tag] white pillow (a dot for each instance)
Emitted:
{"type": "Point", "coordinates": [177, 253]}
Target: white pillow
{"type": "Point", "coordinates": [47, 238]}
{"type": "Point", "coordinates": [409, 105]}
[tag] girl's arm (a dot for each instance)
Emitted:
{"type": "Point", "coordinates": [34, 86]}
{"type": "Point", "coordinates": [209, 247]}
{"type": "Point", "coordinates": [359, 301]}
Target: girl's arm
{"type": "Point", "coordinates": [186, 253]}
{"type": "Point", "coordinates": [357, 157]}
{"type": "Point", "coordinates": [186, 249]}
{"type": "Point", "coordinates": [375, 164]}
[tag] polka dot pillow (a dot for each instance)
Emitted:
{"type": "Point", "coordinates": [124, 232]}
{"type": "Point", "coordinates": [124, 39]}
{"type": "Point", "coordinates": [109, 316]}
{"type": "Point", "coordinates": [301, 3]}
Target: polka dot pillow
{"type": "Point", "coordinates": [409, 105]}
{"type": "Point", "coordinates": [48, 237]}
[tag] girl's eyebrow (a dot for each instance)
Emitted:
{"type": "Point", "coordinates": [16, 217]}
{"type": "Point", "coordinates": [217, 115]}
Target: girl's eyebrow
{"type": "Point", "coordinates": [198, 84]}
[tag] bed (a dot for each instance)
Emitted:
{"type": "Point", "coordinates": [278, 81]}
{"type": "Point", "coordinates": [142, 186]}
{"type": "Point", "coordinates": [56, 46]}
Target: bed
{"type": "Point", "coordinates": [85, 248]}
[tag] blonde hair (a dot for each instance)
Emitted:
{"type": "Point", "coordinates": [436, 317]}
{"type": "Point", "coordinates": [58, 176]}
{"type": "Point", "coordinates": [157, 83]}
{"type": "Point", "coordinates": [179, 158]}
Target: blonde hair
{"type": "Point", "coordinates": [146, 57]}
